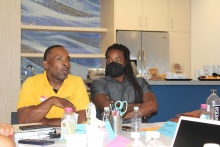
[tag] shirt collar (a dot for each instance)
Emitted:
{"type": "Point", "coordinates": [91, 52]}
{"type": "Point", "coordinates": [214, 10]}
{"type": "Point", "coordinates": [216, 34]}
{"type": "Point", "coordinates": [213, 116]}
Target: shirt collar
{"type": "Point", "coordinates": [47, 82]}
{"type": "Point", "coordinates": [112, 79]}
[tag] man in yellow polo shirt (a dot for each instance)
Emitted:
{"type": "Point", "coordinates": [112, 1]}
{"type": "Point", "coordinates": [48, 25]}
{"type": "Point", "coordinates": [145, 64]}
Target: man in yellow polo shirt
{"type": "Point", "coordinates": [43, 97]}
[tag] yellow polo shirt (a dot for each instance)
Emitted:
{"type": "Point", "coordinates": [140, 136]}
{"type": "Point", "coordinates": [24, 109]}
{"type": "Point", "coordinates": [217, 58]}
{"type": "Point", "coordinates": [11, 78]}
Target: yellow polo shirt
{"type": "Point", "coordinates": [37, 88]}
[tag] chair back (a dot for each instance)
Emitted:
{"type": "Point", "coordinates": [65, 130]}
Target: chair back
{"type": "Point", "coordinates": [14, 118]}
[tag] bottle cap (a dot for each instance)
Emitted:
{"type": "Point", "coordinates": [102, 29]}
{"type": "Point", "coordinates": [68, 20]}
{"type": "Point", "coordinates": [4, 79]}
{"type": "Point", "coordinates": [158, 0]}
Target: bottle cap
{"type": "Point", "coordinates": [152, 134]}
{"type": "Point", "coordinates": [135, 135]}
{"type": "Point", "coordinates": [106, 108]}
{"type": "Point", "coordinates": [101, 124]}
{"type": "Point", "coordinates": [136, 108]}
{"type": "Point", "coordinates": [68, 109]}
{"type": "Point", "coordinates": [203, 106]}
{"type": "Point", "coordinates": [156, 135]}
{"type": "Point", "coordinates": [213, 90]}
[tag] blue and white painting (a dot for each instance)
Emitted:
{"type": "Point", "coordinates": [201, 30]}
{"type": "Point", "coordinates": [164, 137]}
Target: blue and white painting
{"type": "Point", "coordinates": [72, 13]}
{"type": "Point", "coordinates": [69, 13]}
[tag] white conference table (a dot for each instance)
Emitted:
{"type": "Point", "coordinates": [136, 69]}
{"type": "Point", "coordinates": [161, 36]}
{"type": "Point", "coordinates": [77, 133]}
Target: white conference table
{"type": "Point", "coordinates": [164, 139]}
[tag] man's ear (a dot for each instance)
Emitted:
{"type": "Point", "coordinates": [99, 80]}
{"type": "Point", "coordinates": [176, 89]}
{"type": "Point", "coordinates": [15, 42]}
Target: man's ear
{"type": "Point", "coordinates": [45, 64]}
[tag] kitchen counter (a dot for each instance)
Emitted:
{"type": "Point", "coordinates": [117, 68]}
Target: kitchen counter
{"type": "Point", "coordinates": [192, 82]}
{"type": "Point", "coordinates": [175, 97]}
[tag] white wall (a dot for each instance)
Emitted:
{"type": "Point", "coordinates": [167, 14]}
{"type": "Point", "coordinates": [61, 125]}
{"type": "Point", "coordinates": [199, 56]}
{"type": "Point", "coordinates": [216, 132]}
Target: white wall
{"type": "Point", "coordinates": [205, 33]}
{"type": "Point", "coordinates": [10, 45]}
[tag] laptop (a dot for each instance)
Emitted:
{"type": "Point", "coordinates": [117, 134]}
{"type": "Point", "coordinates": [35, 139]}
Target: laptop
{"type": "Point", "coordinates": [195, 132]}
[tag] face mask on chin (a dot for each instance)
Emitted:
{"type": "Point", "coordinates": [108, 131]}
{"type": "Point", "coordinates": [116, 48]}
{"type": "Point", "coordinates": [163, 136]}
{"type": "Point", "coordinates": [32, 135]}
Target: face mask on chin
{"type": "Point", "coordinates": [114, 69]}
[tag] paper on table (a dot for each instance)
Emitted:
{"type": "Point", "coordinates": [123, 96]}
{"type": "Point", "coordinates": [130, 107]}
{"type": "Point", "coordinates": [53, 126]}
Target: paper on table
{"type": "Point", "coordinates": [80, 129]}
{"type": "Point", "coordinates": [152, 126]}
{"type": "Point", "coordinates": [150, 129]}
{"type": "Point", "coordinates": [119, 141]}
{"type": "Point", "coordinates": [110, 130]}
{"type": "Point", "coordinates": [168, 129]}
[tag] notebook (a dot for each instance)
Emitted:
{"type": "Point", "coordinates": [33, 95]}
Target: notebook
{"type": "Point", "coordinates": [195, 132]}
{"type": "Point", "coordinates": [31, 134]}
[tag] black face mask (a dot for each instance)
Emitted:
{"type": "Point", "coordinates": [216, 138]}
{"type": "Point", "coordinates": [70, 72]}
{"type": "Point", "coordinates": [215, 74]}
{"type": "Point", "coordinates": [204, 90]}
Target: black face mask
{"type": "Point", "coordinates": [114, 69]}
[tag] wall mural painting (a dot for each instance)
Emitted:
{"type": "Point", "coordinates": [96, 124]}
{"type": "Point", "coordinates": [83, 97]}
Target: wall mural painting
{"type": "Point", "coordinates": [69, 13]}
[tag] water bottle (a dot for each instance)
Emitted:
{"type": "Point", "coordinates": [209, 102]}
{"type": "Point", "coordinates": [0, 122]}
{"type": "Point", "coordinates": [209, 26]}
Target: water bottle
{"type": "Point", "coordinates": [214, 102]}
{"type": "Point", "coordinates": [68, 123]}
{"type": "Point", "coordinates": [91, 114]}
{"type": "Point", "coordinates": [216, 110]}
{"type": "Point", "coordinates": [208, 112]}
{"type": "Point", "coordinates": [136, 120]}
{"type": "Point", "coordinates": [106, 114]}
{"type": "Point", "coordinates": [104, 138]}
{"type": "Point", "coordinates": [203, 111]}
{"type": "Point", "coordinates": [152, 139]}
{"type": "Point", "coordinates": [135, 142]}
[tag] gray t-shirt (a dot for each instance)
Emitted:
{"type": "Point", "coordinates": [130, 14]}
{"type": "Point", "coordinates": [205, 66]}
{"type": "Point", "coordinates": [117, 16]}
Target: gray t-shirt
{"type": "Point", "coordinates": [117, 91]}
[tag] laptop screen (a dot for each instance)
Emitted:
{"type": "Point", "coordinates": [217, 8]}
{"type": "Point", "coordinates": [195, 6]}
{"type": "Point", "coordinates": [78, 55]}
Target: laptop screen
{"type": "Point", "coordinates": [195, 132]}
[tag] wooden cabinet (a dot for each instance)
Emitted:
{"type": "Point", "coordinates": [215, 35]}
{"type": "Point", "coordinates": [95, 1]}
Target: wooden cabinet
{"type": "Point", "coordinates": [179, 15]}
{"type": "Point", "coordinates": [128, 14]}
{"type": "Point", "coordinates": [149, 15]}
{"type": "Point", "coordinates": [155, 15]}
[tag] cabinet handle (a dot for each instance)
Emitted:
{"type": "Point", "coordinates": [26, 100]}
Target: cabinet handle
{"type": "Point", "coordinates": [145, 24]}
{"type": "Point", "coordinates": [171, 23]}
{"type": "Point", "coordinates": [139, 62]}
{"type": "Point", "coordinates": [140, 22]}
{"type": "Point", "coordinates": [144, 60]}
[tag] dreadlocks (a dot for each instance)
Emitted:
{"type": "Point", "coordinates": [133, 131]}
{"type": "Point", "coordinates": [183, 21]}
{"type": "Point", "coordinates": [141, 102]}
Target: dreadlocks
{"type": "Point", "coordinates": [128, 71]}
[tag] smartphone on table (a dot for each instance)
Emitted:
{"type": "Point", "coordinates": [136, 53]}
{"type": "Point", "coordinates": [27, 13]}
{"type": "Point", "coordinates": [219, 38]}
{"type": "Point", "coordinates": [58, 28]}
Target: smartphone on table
{"type": "Point", "coordinates": [31, 127]}
{"type": "Point", "coordinates": [36, 141]}
{"type": "Point", "coordinates": [126, 128]}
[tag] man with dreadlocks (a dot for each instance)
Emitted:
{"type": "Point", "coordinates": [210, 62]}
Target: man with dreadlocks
{"type": "Point", "coordinates": [120, 84]}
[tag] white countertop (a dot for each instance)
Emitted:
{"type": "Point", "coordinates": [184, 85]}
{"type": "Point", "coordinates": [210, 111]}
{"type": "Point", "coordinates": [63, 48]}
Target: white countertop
{"type": "Point", "coordinates": [192, 82]}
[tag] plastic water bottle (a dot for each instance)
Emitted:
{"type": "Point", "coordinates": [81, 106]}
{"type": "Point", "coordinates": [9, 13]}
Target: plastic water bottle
{"type": "Point", "coordinates": [135, 142]}
{"type": "Point", "coordinates": [216, 110]}
{"type": "Point", "coordinates": [203, 112]}
{"type": "Point", "coordinates": [214, 102]}
{"type": "Point", "coordinates": [208, 112]}
{"type": "Point", "coordinates": [68, 123]}
{"type": "Point", "coordinates": [152, 139]}
{"type": "Point", "coordinates": [136, 120]}
{"type": "Point", "coordinates": [104, 138]}
{"type": "Point", "coordinates": [91, 114]}
{"type": "Point", "coordinates": [106, 114]}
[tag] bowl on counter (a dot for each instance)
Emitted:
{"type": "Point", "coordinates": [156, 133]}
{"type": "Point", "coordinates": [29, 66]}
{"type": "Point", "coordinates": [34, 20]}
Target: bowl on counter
{"type": "Point", "coordinates": [96, 73]}
{"type": "Point", "coordinates": [146, 77]}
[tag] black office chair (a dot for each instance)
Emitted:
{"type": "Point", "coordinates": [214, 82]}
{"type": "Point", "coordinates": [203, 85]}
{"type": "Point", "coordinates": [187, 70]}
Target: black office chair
{"type": "Point", "coordinates": [14, 118]}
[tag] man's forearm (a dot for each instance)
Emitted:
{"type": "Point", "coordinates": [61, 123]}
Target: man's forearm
{"type": "Point", "coordinates": [32, 114]}
{"type": "Point", "coordinates": [130, 110]}
{"type": "Point", "coordinates": [101, 101]}
{"type": "Point", "coordinates": [146, 109]}
{"type": "Point", "coordinates": [131, 106]}
{"type": "Point", "coordinates": [54, 122]}
{"type": "Point", "coordinates": [82, 116]}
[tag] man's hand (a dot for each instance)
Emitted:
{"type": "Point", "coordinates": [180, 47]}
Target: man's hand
{"type": "Point", "coordinates": [33, 114]}
{"type": "Point", "coordinates": [62, 103]}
